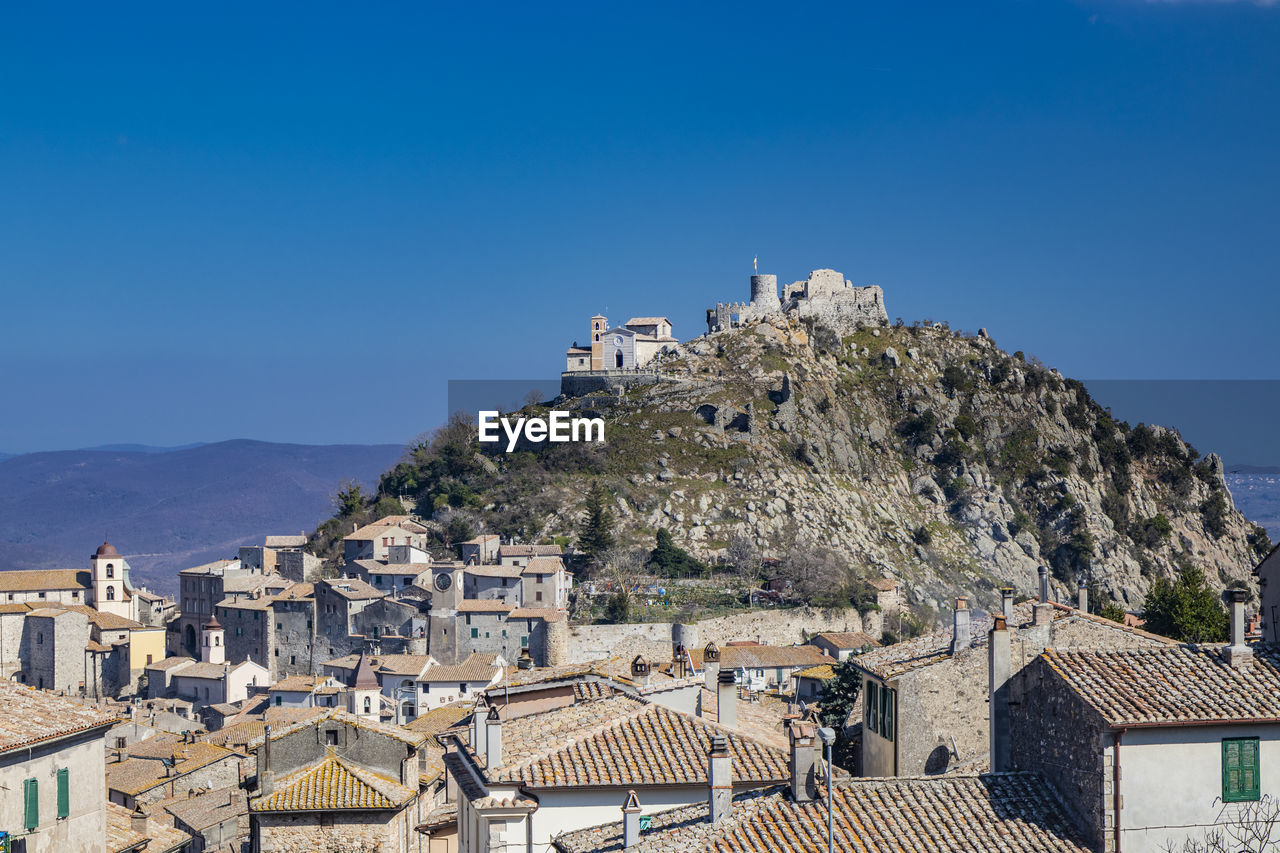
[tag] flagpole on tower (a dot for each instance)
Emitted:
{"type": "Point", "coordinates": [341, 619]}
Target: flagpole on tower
{"type": "Point", "coordinates": [755, 264]}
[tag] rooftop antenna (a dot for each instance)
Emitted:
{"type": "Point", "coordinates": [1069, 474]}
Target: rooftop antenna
{"type": "Point", "coordinates": [755, 264]}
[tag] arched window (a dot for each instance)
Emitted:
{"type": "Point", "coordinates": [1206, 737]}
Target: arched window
{"type": "Point", "coordinates": [217, 641]}
{"type": "Point", "coordinates": [111, 570]}
{"type": "Point", "coordinates": [406, 683]}
{"type": "Point", "coordinates": [111, 593]}
{"type": "Point", "coordinates": [617, 358]}
{"type": "Point", "coordinates": [368, 706]}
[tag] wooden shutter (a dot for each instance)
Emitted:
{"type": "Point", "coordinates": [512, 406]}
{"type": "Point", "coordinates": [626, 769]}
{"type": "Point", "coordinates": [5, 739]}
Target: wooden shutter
{"type": "Point", "coordinates": [1240, 765]}
{"type": "Point", "coordinates": [31, 798]}
{"type": "Point", "coordinates": [872, 702]}
{"type": "Point", "coordinates": [64, 794]}
{"type": "Point", "coordinates": [886, 713]}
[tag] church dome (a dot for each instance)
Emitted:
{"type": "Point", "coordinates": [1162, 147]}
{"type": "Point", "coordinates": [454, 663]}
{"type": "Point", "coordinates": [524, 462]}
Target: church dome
{"type": "Point", "coordinates": [213, 624]}
{"type": "Point", "coordinates": [106, 549]}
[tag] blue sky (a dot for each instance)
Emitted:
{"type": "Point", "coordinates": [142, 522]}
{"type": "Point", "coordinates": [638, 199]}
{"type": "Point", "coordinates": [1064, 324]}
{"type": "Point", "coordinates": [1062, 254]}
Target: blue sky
{"type": "Point", "coordinates": [297, 224]}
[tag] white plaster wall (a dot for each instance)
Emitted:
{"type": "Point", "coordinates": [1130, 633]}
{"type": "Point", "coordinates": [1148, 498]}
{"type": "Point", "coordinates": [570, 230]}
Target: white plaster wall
{"type": "Point", "coordinates": [85, 827]}
{"type": "Point", "coordinates": [568, 810]}
{"type": "Point", "coordinates": [1171, 782]}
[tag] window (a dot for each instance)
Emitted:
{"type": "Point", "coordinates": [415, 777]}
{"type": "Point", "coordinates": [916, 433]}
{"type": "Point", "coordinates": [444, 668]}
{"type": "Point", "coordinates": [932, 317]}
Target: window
{"type": "Point", "coordinates": [886, 713]}
{"type": "Point", "coordinates": [293, 659]}
{"type": "Point", "coordinates": [149, 659]}
{"type": "Point", "coordinates": [111, 570]}
{"type": "Point", "coordinates": [377, 580]}
{"type": "Point", "coordinates": [871, 701]}
{"type": "Point", "coordinates": [524, 642]}
{"type": "Point", "coordinates": [42, 594]}
{"type": "Point", "coordinates": [31, 803]}
{"type": "Point", "coordinates": [64, 794]}
{"type": "Point", "coordinates": [537, 596]}
{"type": "Point", "coordinates": [475, 633]}
{"type": "Point", "coordinates": [331, 736]}
{"type": "Point", "coordinates": [368, 705]}
{"type": "Point", "coordinates": [111, 593]}
{"type": "Point", "coordinates": [39, 638]}
{"type": "Point", "coordinates": [1240, 781]}
{"type": "Point", "coordinates": [279, 700]}
{"type": "Point", "coordinates": [462, 687]}
{"type": "Point", "coordinates": [121, 743]}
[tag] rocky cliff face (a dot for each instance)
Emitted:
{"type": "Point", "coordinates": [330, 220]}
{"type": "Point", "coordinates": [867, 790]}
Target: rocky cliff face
{"type": "Point", "coordinates": [919, 453]}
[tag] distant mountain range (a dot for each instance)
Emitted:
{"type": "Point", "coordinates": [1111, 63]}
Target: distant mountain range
{"type": "Point", "coordinates": [170, 508]}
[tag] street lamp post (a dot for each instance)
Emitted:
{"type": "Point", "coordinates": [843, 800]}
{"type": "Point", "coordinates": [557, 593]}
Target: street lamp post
{"type": "Point", "coordinates": [828, 737]}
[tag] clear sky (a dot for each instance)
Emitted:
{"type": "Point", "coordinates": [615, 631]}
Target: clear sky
{"type": "Point", "coordinates": [296, 223]}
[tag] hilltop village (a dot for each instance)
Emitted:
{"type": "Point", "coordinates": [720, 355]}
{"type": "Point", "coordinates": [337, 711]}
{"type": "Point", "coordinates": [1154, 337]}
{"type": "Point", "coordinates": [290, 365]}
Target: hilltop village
{"type": "Point", "coordinates": [402, 700]}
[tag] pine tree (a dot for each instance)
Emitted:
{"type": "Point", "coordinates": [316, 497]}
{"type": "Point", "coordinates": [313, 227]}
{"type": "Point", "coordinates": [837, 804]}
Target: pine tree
{"type": "Point", "coordinates": [595, 536]}
{"type": "Point", "coordinates": [1186, 609]}
{"type": "Point", "coordinates": [835, 703]}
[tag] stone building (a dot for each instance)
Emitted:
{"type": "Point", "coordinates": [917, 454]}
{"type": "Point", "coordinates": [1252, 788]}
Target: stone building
{"type": "Point", "coordinates": [528, 780]}
{"type": "Point", "coordinates": [337, 782]}
{"type": "Point", "coordinates": [38, 588]}
{"type": "Point", "coordinates": [1007, 812]}
{"type": "Point", "coordinates": [373, 541]}
{"type": "Point", "coordinates": [203, 588]}
{"type": "Point", "coordinates": [627, 347]}
{"type": "Point", "coordinates": [250, 632]}
{"type": "Point", "coordinates": [293, 615]}
{"type": "Point", "coordinates": [1151, 748]}
{"type": "Point", "coordinates": [168, 766]}
{"type": "Point", "coordinates": [48, 744]}
{"type": "Point", "coordinates": [826, 296]}
{"type": "Point", "coordinates": [337, 603]}
{"type": "Point", "coordinates": [923, 700]}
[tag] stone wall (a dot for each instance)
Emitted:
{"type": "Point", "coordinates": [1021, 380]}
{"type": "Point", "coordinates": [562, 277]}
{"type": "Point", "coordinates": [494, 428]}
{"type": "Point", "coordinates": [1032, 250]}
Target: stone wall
{"type": "Point", "coordinates": [598, 381]}
{"type": "Point", "coordinates": [1054, 733]}
{"type": "Point", "coordinates": [294, 638]}
{"type": "Point", "coordinates": [653, 639]}
{"type": "Point", "coordinates": [356, 832]}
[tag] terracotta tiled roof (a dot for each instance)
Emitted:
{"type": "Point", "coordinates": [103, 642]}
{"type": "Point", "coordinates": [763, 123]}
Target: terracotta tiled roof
{"type": "Point", "coordinates": [32, 581]}
{"type": "Point", "coordinates": [494, 571]}
{"type": "Point", "coordinates": [376, 567]}
{"type": "Point", "coordinates": [1005, 812]}
{"type": "Point", "coordinates": [1176, 684]}
{"type": "Point", "coordinates": [622, 741]}
{"type": "Point", "coordinates": [530, 551]}
{"type": "Point", "coordinates": [354, 588]}
{"type": "Point", "coordinates": [477, 667]}
{"type": "Point", "coordinates": [332, 785]}
{"type": "Point", "coordinates": [207, 810]}
{"type": "Point", "coordinates": [296, 592]}
{"type": "Point", "coordinates": [15, 607]}
{"type": "Point", "coordinates": [476, 605]}
{"type": "Point", "coordinates": [170, 662]}
{"type": "Point", "coordinates": [481, 539]}
{"type": "Point", "coordinates": [300, 683]}
{"type": "Point", "coordinates": [823, 672]}
{"type": "Point", "coordinates": [285, 541]}
{"type": "Point", "coordinates": [375, 529]}
{"type": "Point", "coordinates": [160, 837]}
{"type": "Point", "coordinates": [439, 719]}
{"type": "Point", "coordinates": [765, 657]}
{"type": "Point", "coordinates": [543, 566]}
{"type": "Point", "coordinates": [217, 567]}
{"type": "Point", "coordinates": [546, 614]}
{"type": "Point", "coordinates": [31, 716]}
{"type": "Point", "coordinates": [137, 774]}
{"type": "Point", "coordinates": [849, 639]}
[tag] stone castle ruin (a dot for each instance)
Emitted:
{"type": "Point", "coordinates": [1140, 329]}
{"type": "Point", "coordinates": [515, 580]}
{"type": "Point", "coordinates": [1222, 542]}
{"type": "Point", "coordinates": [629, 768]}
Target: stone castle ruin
{"type": "Point", "coordinates": [826, 295]}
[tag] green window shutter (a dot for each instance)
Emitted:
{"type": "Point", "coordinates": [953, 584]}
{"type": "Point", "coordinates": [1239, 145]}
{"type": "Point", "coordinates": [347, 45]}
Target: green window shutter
{"type": "Point", "coordinates": [872, 702]}
{"type": "Point", "coordinates": [31, 797]}
{"type": "Point", "coordinates": [475, 632]}
{"type": "Point", "coordinates": [64, 794]}
{"type": "Point", "coordinates": [1240, 770]}
{"type": "Point", "coordinates": [886, 713]}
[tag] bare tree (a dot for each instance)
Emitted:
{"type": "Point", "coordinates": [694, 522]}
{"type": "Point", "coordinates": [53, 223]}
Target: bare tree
{"type": "Point", "coordinates": [743, 556]}
{"type": "Point", "coordinates": [1254, 828]}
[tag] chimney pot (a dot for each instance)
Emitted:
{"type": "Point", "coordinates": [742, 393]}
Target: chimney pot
{"type": "Point", "coordinates": [493, 736]}
{"type": "Point", "coordinates": [999, 667]}
{"type": "Point", "coordinates": [1082, 598]}
{"type": "Point", "coordinates": [1006, 604]}
{"type": "Point", "coordinates": [478, 735]}
{"type": "Point", "coordinates": [803, 782]}
{"type": "Point", "coordinates": [630, 821]}
{"type": "Point", "coordinates": [138, 821]}
{"type": "Point", "coordinates": [1238, 653]}
{"type": "Point", "coordinates": [960, 626]}
{"type": "Point", "coordinates": [1044, 584]}
{"type": "Point", "coordinates": [726, 698]}
{"type": "Point", "coordinates": [720, 779]}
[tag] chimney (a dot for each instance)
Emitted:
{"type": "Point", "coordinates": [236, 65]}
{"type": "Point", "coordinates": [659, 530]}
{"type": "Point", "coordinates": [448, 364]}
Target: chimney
{"type": "Point", "coordinates": [1042, 614]}
{"type": "Point", "coordinates": [1082, 597]}
{"type": "Point", "coordinates": [138, 821]}
{"type": "Point", "coordinates": [960, 626]}
{"type": "Point", "coordinates": [640, 670]}
{"type": "Point", "coordinates": [478, 736]}
{"type": "Point", "coordinates": [720, 779]}
{"type": "Point", "coordinates": [1006, 604]}
{"type": "Point", "coordinates": [803, 782]}
{"type": "Point", "coordinates": [493, 737]}
{"type": "Point", "coordinates": [999, 667]}
{"type": "Point", "coordinates": [630, 821]}
{"type": "Point", "coordinates": [726, 699]}
{"type": "Point", "coordinates": [1044, 584]}
{"type": "Point", "coordinates": [1238, 653]}
{"type": "Point", "coordinates": [711, 665]}
{"type": "Point", "coordinates": [266, 778]}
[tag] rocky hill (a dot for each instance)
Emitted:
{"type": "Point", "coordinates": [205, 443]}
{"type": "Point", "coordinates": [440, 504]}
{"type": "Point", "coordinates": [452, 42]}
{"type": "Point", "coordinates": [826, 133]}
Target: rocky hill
{"type": "Point", "coordinates": [909, 451]}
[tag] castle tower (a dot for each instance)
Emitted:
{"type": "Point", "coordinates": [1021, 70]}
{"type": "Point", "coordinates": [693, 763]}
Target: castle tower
{"type": "Point", "coordinates": [112, 592]}
{"type": "Point", "coordinates": [366, 694]}
{"type": "Point", "coordinates": [764, 293]}
{"type": "Point", "coordinates": [213, 647]}
{"type": "Point", "coordinates": [599, 325]}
